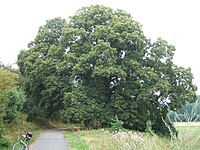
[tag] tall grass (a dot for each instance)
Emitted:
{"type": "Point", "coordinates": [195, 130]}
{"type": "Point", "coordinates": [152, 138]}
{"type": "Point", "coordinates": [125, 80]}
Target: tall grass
{"type": "Point", "coordinates": [188, 139]}
{"type": "Point", "coordinates": [189, 134]}
{"type": "Point", "coordinates": [105, 140]}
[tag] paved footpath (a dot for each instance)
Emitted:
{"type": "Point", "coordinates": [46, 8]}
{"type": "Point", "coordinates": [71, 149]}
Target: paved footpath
{"type": "Point", "coordinates": [50, 140]}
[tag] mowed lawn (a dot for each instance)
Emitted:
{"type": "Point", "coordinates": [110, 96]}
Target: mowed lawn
{"type": "Point", "coordinates": [188, 139]}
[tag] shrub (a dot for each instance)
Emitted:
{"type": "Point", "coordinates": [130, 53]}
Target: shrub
{"type": "Point", "coordinates": [14, 103]}
{"type": "Point", "coordinates": [4, 142]}
{"type": "Point", "coordinates": [116, 124]}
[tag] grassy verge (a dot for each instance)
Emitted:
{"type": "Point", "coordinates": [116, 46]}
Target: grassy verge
{"type": "Point", "coordinates": [104, 140]}
{"type": "Point", "coordinates": [75, 141]}
{"type": "Point", "coordinates": [189, 139]}
{"type": "Point", "coordinates": [12, 132]}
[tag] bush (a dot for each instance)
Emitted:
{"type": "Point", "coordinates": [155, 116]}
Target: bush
{"type": "Point", "coordinates": [5, 142]}
{"type": "Point", "coordinates": [14, 103]}
{"type": "Point", "coordinates": [116, 124]}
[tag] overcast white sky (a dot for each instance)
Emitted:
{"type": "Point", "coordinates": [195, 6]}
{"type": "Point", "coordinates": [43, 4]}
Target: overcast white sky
{"type": "Point", "coordinates": [177, 21]}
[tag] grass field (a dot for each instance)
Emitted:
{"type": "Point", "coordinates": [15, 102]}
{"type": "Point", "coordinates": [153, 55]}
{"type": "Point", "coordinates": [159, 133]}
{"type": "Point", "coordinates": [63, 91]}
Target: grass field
{"type": "Point", "coordinates": [188, 139]}
{"type": "Point", "coordinates": [189, 135]}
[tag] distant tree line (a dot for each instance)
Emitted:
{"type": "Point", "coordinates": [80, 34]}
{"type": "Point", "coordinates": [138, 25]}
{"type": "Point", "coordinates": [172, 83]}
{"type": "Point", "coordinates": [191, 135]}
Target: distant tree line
{"type": "Point", "coordinates": [188, 113]}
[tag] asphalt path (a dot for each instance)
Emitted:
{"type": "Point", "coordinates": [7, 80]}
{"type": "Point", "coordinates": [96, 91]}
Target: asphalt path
{"type": "Point", "coordinates": [50, 140]}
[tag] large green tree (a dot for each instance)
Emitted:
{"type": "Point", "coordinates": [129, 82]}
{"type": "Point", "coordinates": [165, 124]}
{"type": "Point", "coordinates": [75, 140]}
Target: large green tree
{"type": "Point", "coordinates": [99, 65]}
{"type": "Point", "coordinates": [43, 79]}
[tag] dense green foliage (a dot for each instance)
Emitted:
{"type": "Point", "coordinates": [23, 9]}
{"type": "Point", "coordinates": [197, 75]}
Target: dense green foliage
{"type": "Point", "coordinates": [188, 113]}
{"type": "Point", "coordinates": [44, 79]}
{"type": "Point", "coordinates": [14, 104]}
{"type": "Point", "coordinates": [11, 100]}
{"type": "Point", "coordinates": [7, 82]}
{"type": "Point", "coordinates": [99, 65]}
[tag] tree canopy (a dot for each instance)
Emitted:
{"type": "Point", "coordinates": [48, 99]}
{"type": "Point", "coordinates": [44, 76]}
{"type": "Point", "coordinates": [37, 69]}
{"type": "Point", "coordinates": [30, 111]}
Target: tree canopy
{"type": "Point", "coordinates": [99, 65]}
